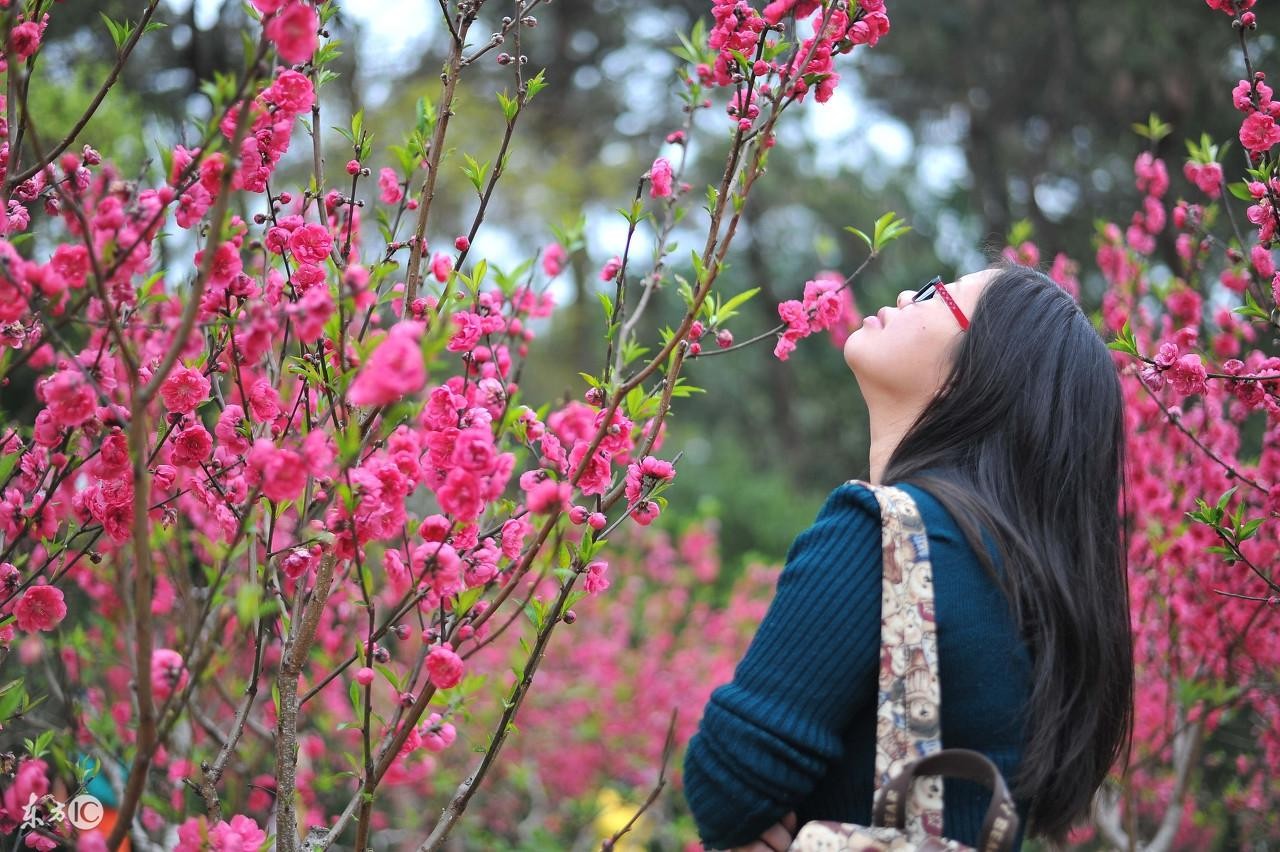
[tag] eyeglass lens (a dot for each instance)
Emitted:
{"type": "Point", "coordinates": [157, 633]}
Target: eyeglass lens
{"type": "Point", "coordinates": [927, 291]}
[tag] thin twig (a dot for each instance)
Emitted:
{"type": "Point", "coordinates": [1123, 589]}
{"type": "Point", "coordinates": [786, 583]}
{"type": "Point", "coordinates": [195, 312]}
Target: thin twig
{"type": "Point", "coordinates": [667, 748]}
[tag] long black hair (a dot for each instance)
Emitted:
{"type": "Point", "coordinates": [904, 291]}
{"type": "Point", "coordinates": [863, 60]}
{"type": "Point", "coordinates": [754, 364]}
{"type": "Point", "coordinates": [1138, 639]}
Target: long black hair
{"type": "Point", "coordinates": [1025, 439]}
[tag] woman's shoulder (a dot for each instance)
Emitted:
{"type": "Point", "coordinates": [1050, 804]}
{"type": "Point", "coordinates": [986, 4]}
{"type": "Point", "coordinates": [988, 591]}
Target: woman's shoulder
{"type": "Point", "coordinates": [857, 494]}
{"type": "Point", "coordinates": [849, 514]}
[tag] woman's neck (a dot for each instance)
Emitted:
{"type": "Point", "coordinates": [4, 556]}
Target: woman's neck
{"type": "Point", "coordinates": [889, 422]}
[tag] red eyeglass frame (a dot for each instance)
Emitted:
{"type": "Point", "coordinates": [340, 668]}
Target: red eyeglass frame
{"type": "Point", "coordinates": [935, 284]}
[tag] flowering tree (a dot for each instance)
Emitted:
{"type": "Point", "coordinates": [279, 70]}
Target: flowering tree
{"type": "Point", "coordinates": [271, 503]}
{"type": "Point", "coordinates": [1191, 295]}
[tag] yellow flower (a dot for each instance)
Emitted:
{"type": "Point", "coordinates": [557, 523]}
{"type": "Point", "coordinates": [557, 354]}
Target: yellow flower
{"type": "Point", "coordinates": [613, 814]}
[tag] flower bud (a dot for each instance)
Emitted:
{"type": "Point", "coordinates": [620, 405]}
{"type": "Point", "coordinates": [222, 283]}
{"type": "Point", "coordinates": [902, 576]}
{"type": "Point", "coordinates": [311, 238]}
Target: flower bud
{"type": "Point", "coordinates": [364, 675]}
{"type": "Point", "coordinates": [724, 338]}
{"type": "Point", "coordinates": [353, 167]}
{"type": "Point", "coordinates": [570, 616]}
{"type": "Point", "coordinates": [462, 243]}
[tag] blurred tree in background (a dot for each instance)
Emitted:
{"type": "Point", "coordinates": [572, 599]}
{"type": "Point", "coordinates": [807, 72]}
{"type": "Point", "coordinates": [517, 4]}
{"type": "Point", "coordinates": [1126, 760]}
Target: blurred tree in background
{"type": "Point", "coordinates": [977, 116]}
{"type": "Point", "coordinates": [1041, 98]}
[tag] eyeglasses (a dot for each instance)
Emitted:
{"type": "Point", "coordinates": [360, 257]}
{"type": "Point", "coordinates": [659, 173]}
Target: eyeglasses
{"type": "Point", "coordinates": [935, 285]}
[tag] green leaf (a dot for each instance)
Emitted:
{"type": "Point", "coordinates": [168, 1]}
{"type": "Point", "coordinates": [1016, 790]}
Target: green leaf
{"type": "Point", "coordinates": [1240, 189]}
{"type": "Point", "coordinates": [1124, 341]}
{"type": "Point", "coordinates": [11, 698]}
{"type": "Point", "coordinates": [537, 612]}
{"type": "Point", "coordinates": [510, 106]}
{"type": "Point", "coordinates": [119, 31]}
{"type": "Point", "coordinates": [248, 597]}
{"type": "Point", "coordinates": [426, 116]}
{"type": "Point", "coordinates": [1250, 529]}
{"type": "Point", "coordinates": [608, 306]}
{"type": "Point", "coordinates": [682, 390]}
{"type": "Point", "coordinates": [1222, 501]}
{"type": "Point", "coordinates": [41, 745]}
{"type": "Point", "coordinates": [859, 234]}
{"type": "Point", "coordinates": [634, 213]}
{"type": "Point", "coordinates": [700, 271]}
{"type": "Point", "coordinates": [888, 228]}
{"type": "Point", "coordinates": [325, 55]}
{"type": "Point", "coordinates": [1251, 308]}
{"type": "Point", "coordinates": [632, 350]}
{"type": "Point", "coordinates": [475, 171]}
{"type": "Point", "coordinates": [726, 310]}
{"type": "Point", "coordinates": [1154, 129]}
{"type": "Point", "coordinates": [391, 676]}
{"type": "Point", "coordinates": [535, 84]}
{"type": "Point", "coordinates": [7, 463]}
{"type": "Point", "coordinates": [466, 600]}
{"type": "Point", "coordinates": [357, 124]}
{"type": "Point", "coordinates": [1021, 231]}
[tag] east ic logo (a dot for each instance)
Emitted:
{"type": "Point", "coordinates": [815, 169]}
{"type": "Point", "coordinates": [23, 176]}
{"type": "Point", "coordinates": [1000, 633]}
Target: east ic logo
{"type": "Point", "coordinates": [83, 813]}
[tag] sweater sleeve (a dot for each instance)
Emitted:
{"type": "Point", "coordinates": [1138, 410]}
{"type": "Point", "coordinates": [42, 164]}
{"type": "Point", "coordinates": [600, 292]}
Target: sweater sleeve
{"type": "Point", "coordinates": [768, 737]}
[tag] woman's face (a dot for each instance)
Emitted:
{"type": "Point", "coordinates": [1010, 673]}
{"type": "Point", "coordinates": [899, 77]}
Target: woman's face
{"type": "Point", "coordinates": [903, 351]}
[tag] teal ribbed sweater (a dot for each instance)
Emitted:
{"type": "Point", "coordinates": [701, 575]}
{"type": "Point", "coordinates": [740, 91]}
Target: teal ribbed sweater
{"type": "Point", "coordinates": [795, 728]}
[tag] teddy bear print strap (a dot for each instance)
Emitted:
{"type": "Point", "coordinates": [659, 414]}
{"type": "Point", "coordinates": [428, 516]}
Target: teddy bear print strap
{"type": "Point", "coordinates": [908, 720]}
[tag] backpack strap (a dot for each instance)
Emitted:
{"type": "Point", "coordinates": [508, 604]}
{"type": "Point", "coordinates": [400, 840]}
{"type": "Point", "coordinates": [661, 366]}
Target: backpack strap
{"type": "Point", "coordinates": [908, 716]}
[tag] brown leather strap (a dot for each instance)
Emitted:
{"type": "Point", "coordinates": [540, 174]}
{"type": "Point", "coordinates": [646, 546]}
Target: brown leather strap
{"type": "Point", "coordinates": [1001, 824]}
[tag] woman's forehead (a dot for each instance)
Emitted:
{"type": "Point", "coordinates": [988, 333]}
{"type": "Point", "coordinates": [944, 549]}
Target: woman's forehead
{"type": "Point", "coordinates": [970, 285]}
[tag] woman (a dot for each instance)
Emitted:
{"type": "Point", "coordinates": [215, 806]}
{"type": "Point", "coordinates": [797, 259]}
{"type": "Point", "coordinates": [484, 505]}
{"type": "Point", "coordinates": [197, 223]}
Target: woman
{"type": "Point", "coordinates": [994, 403]}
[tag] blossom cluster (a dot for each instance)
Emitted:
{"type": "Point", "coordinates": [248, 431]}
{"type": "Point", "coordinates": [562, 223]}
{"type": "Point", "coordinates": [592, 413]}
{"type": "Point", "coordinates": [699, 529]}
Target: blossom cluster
{"type": "Point", "coordinates": [822, 307]}
{"type": "Point", "coordinates": [740, 30]}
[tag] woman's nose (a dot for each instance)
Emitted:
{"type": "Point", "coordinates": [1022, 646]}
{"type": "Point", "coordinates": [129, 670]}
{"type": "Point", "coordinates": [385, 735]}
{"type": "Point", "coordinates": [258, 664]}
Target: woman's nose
{"type": "Point", "coordinates": [905, 297]}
